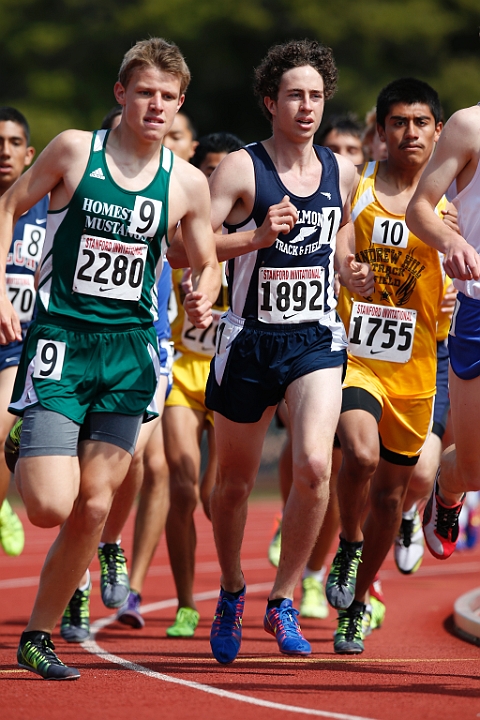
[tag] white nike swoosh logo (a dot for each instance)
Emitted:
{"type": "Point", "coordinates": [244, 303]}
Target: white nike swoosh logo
{"type": "Point", "coordinates": [40, 222]}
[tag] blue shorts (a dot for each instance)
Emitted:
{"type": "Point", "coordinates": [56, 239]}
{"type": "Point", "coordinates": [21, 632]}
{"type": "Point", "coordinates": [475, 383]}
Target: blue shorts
{"type": "Point", "coordinates": [166, 362]}
{"type": "Point", "coordinates": [10, 354]}
{"type": "Point", "coordinates": [255, 363]}
{"type": "Point", "coordinates": [464, 338]}
{"type": "Point", "coordinates": [442, 398]}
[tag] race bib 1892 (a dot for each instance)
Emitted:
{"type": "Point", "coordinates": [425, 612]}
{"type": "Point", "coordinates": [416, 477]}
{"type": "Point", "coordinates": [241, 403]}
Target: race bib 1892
{"type": "Point", "coordinates": [290, 295]}
{"type": "Point", "coordinates": [380, 332]}
{"type": "Point", "coordinates": [110, 268]}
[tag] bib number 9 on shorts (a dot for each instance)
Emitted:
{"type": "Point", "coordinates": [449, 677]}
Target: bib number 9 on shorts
{"type": "Point", "coordinates": [48, 361]}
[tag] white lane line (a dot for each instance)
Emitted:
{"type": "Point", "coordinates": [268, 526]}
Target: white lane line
{"type": "Point", "coordinates": [260, 564]}
{"type": "Point", "coordinates": [92, 646]}
{"type": "Point", "coordinates": [154, 571]}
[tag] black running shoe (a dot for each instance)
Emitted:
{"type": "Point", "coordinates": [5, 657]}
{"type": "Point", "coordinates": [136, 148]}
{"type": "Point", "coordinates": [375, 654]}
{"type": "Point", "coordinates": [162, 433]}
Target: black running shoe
{"type": "Point", "coordinates": [35, 653]}
{"type": "Point", "coordinates": [75, 625]}
{"type": "Point", "coordinates": [348, 638]}
{"type": "Point", "coordinates": [114, 583]}
{"type": "Point", "coordinates": [341, 581]}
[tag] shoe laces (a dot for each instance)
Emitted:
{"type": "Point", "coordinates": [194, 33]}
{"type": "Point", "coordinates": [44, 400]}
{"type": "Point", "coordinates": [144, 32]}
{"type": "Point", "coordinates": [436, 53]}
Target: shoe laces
{"type": "Point", "coordinates": [343, 564]}
{"type": "Point", "coordinates": [447, 519]}
{"type": "Point", "coordinates": [113, 562]}
{"type": "Point", "coordinates": [77, 609]}
{"type": "Point", "coordinates": [228, 615]}
{"type": "Point", "coordinates": [406, 530]}
{"type": "Point", "coordinates": [285, 622]}
{"type": "Point", "coordinates": [41, 651]}
{"type": "Point", "coordinates": [350, 623]}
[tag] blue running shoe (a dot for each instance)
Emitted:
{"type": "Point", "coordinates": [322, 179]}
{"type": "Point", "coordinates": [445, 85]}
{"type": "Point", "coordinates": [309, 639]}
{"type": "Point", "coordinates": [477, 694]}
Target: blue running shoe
{"type": "Point", "coordinates": [226, 632]}
{"type": "Point", "coordinates": [283, 624]}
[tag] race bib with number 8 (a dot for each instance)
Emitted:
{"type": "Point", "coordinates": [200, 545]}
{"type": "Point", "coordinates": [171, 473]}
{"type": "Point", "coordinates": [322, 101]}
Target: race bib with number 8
{"type": "Point", "coordinates": [110, 268]}
{"type": "Point", "coordinates": [32, 242]}
{"type": "Point", "coordinates": [290, 295]}
{"type": "Point", "coordinates": [21, 293]}
{"type": "Point", "coordinates": [381, 332]}
{"type": "Point", "coordinates": [49, 359]}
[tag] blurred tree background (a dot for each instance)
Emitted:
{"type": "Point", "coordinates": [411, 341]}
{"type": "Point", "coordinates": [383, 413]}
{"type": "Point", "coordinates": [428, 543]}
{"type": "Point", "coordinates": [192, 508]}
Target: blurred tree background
{"type": "Point", "coordinates": [59, 58]}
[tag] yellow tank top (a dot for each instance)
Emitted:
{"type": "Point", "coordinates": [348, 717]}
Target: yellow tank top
{"type": "Point", "coordinates": [393, 332]}
{"type": "Point", "coordinates": [186, 337]}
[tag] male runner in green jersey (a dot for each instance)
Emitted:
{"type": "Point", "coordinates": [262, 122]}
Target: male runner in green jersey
{"type": "Point", "coordinates": [91, 357]}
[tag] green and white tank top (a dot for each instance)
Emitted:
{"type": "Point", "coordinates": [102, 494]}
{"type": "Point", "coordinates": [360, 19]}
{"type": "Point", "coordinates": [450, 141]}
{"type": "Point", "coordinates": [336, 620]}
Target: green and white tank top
{"type": "Point", "coordinates": [101, 250]}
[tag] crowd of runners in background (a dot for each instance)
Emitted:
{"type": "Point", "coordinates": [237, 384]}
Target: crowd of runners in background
{"type": "Point", "coordinates": [314, 260]}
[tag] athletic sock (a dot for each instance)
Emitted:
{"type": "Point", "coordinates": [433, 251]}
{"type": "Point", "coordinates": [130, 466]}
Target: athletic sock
{"type": "Point", "coordinates": [318, 575]}
{"type": "Point", "coordinates": [275, 603]}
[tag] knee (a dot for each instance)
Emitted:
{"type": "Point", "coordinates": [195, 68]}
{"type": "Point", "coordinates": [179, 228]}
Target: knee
{"type": "Point", "coordinates": [360, 459]}
{"type": "Point", "coordinates": [184, 494]}
{"type": "Point", "coordinates": [46, 516]}
{"type": "Point", "coordinates": [312, 472]}
{"type": "Point", "coordinates": [231, 491]}
{"type": "Point", "coordinates": [386, 505]}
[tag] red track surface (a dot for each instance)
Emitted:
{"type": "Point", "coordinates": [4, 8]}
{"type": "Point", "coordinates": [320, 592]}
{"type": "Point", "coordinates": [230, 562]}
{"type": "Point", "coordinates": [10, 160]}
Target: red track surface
{"type": "Point", "coordinates": [413, 668]}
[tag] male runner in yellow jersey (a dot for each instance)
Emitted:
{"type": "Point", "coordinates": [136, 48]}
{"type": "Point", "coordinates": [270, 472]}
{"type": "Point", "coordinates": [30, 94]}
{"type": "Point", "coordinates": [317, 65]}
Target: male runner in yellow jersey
{"type": "Point", "coordinates": [390, 382]}
{"type": "Point", "coordinates": [97, 299]}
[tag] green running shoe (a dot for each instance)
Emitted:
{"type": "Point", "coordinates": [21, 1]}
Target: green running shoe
{"type": "Point", "coordinates": [75, 625]}
{"type": "Point", "coordinates": [35, 653]}
{"type": "Point", "coordinates": [341, 581]}
{"type": "Point", "coordinates": [12, 537]}
{"type": "Point", "coordinates": [348, 638]}
{"type": "Point", "coordinates": [275, 547]}
{"type": "Point", "coordinates": [185, 623]}
{"type": "Point", "coordinates": [114, 583]}
{"type": "Point", "coordinates": [313, 603]}
{"type": "Point", "coordinates": [378, 612]}
{"type": "Point", "coordinates": [12, 445]}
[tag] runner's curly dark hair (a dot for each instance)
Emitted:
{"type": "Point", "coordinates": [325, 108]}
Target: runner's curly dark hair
{"type": "Point", "coordinates": [292, 54]}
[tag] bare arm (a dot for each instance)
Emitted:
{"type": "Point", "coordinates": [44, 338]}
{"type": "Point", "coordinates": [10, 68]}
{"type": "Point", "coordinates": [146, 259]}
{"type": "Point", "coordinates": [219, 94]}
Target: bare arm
{"type": "Point", "coordinates": [457, 148]}
{"type": "Point", "coordinates": [199, 244]}
{"type": "Point", "coordinates": [232, 188]}
{"type": "Point", "coordinates": [357, 277]}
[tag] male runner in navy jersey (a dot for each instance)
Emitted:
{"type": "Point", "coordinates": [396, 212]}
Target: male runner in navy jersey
{"type": "Point", "coordinates": [285, 205]}
{"type": "Point", "coordinates": [91, 357]}
{"type": "Point", "coordinates": [16, 154]}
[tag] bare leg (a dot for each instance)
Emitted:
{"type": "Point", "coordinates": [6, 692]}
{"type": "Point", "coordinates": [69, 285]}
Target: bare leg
{"type": "Point", "coordinates": [239, 449]}
{"type": "Point", "coordinates": [331, 522]}
{"type": "Point", "coordinates": [389, 486]}
{"type": "Point", "coordinates": [421, 482]}
{"type": "Point", "coordinates": [128, 490]}
{"type": "Point", "coordinates": [460, 465]}
{"type": "Point", "coordinates": [208, 480]}
{"type": "Point", "coordinates": [152, 509]}
{"type": "Point", "coordinates": [103, 467]}
{"type": "Point", "coordinates": [314, 405]}
{"type": "Point", "coordinates": [182, 433]}
{"type": "Point", "coordinates": [358, 433]}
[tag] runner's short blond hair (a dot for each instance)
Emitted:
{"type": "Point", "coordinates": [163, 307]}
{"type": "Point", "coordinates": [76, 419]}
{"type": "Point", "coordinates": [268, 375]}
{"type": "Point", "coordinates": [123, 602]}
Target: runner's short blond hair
{"type": "Point", "coordinates": [155, 52]}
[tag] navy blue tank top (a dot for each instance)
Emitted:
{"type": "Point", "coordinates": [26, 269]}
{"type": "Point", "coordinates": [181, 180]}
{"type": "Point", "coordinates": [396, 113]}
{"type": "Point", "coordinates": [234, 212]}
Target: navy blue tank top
{"type": "Point", "coordinates": [23, 257]}
{"type": "Point", "coordinates": [291, 281]}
